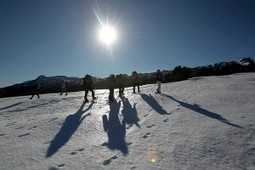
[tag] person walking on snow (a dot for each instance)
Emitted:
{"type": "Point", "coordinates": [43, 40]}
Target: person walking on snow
{"type": "Point", "coordinates": [136, 81]}
{"type": "Point", "coordinates": [111, 84]}
{"type": "Point", "coordinates": [88, 86]}
{"type": "Point", "coordinates": [35, 90]}
{"type": "Point", "coordinates": [63, 87]}
{"type": "Point", "coordinates": [121, 84]}
{"type": "Point", "coordinates": [159, 78]}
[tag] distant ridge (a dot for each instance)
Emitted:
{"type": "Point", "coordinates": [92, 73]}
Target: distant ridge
{"type": "Point", "coordinates": [53, 84]}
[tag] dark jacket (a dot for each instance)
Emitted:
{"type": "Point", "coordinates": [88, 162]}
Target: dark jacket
{"type": "Point", "coordinates": [35, 86]}
{"type": "Point", "coordinates": [88, 82]}
{"type": "Point", "coordinates": [159, 76]}
{"type": "Point", "coordinates": [135, 77]}
{"type": "Point", "coordinates": [111, 81]}
{"type": "Point", "coordinates": [120, 80]}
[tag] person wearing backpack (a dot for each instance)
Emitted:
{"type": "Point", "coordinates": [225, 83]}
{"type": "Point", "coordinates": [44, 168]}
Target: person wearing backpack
{"type": "Point", "coordinates": [35, 89]}
{"type": "Point", "coordinates": [88, 86]}
{"type": "Point", "coordinates": [159, 78]}
{"type": "Point", "coordinates": [121, 84]}
{"type": "Point", "coordinates": [63, 87]}
{"type": "Point", "coordinates": [136, 81]}
{"type": "Point", "coordinates": [111, 85]}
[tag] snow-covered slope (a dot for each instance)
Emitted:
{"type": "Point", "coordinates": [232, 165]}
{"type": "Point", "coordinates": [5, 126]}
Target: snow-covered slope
{"type": "Point", "coordinates": [201, 123]}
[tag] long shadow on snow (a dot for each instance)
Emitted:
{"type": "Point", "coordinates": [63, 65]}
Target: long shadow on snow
{"type": "Point", "coordinates": [116, 131]}
{"type": "Point", "coordinates": [30, 107]}
{"type": "Point", "coordinates": [154, 104]}
{"type": "Point", "coordinates": [129, 113]}
{"type": "Point", "coordinates": [71, 124]}
{"type": "Point", "coordinates": [7, 107]}
{"type": "Point", "coordinates": [202, 111]}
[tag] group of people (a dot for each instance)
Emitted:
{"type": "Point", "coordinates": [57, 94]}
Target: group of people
{"type": "Point", "coordinates": [112, 82]}
{"type": "Point", "coordinates": [35, 88]}
{"type": "Point", "coordinates": [119, 82]}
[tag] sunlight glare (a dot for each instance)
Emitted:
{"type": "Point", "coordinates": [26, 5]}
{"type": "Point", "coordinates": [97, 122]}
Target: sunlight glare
{"type": "Point", "coordinates": [107, 34]}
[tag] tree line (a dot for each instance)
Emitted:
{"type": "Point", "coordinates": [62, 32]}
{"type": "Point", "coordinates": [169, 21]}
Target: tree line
{"type": "Point", "coordinates": [179, 73]}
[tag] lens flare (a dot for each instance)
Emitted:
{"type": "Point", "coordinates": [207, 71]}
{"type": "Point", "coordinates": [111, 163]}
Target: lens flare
{"type": "Point", "coordinates": [153, 159]}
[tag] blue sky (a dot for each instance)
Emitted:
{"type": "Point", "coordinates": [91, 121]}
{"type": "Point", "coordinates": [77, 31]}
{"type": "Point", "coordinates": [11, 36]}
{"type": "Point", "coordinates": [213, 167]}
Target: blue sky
{"type": "Point", "coordinates": [60, 37]}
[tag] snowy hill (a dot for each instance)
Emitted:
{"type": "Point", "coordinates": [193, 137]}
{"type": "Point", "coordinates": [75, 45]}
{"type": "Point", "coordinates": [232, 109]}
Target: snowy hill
{"type": "Point", "coordinates": [201, 123]}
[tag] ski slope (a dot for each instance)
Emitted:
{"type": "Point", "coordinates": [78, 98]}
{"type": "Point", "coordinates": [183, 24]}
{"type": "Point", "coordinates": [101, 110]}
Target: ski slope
{"type": "Point", "coordinates": [201, 123]}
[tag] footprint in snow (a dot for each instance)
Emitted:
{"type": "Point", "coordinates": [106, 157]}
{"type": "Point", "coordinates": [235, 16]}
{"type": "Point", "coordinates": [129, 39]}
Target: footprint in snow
{"type": "Point", "coordinates": [9, 124]}
{"type": "Point", "coordinates": [104, 144]}
{"type": "Point", "coordinates": [2, 134]}
{"type": "Point", "coordinates": [129, 126]}
{"type": "Point", "coordinates": [61, 165]}
{"type": "Point", "coordinates": [52, 119]}
{"type": "Point", "coordinates": [19, 128]}
{"type": "Point", "coordinates": [53, 168]}
{"type": "Point", "coordinates": [146, 135]}
{"type": "Point", "coordinates": [150, 126]}
{"type": "Point", "coordinates": [108, 161]}
{"type": "Point", "coordinates": [32, 127]}
{"type": "Point", "coordinates": [166, 120]}
{"type": "Point", "coordinates": [145, 115]}
{"type": "Point", "coordinates": [129, 143]}
{"type": "Point", "coordinates": [26, 134]}
{"type": "Point", "coordinates": [73, 153]}
{"type": "Point", "coordinates": [80, 150]}
{"type": "Point", "coordinates": [77, 151]}
{"type": "Point", "coordinates": [114, 157]}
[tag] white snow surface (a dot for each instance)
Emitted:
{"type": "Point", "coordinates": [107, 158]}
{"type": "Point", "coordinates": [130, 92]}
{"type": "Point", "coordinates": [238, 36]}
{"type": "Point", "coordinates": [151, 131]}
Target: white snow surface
{"type": "Point", "coordinates": [201, 123]}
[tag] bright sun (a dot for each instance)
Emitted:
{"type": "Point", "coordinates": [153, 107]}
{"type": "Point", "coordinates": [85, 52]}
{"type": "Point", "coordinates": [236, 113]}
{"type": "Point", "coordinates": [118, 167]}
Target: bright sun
{"type": "Point", "coordinates": [107, 34]}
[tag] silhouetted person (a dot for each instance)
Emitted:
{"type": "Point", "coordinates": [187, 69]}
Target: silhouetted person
{"type": "Point", "coordinates": [136, 81]}
{"type": "Point", "coordinates": [159, 78]}
{"type": "Point", "coordinates": [121, 84]}
{"type": "Point", "coordinates": [88, 86]}
{"type": "Point", "coordinates": [111, 86]}
{"type": "Point", "coordinates": [63, 87]}
{"type": "Point", "coordinates": [35, 89]}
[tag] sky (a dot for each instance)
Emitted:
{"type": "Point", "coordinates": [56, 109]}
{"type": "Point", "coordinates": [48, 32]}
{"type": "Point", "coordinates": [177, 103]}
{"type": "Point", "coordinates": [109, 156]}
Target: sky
{"type": "Point", "coordinates": [60, 37]}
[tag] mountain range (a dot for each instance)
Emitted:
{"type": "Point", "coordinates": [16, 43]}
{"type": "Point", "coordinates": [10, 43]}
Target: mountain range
{"type": "Point", "coordinates": [53, 84]}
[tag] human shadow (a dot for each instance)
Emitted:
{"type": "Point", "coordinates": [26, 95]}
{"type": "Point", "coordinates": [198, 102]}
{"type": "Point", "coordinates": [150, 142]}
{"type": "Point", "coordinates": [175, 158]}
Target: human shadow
{"type": "Point", "coordinates": [13, 105]}
{"type": "Point", "coordinates": [30, 107]}
{"type": "Point", "coordinates": [153, 103]}
{"type": "Point", "coordinates": [202, 111]}
{"type": "Point", "coordinates": [129, 113]}
{"type": "Point", "coordinates": [116, 130]}
{"type": "Point", "coordinates": [71, 124]}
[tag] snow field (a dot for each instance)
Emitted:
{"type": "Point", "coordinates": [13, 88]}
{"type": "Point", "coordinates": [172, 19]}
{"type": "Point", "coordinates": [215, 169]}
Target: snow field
{"type": "Point", "coordinates": [200, 123]}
